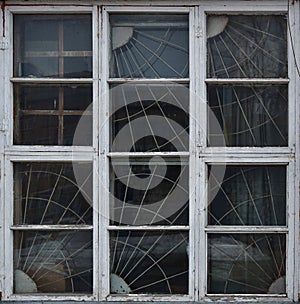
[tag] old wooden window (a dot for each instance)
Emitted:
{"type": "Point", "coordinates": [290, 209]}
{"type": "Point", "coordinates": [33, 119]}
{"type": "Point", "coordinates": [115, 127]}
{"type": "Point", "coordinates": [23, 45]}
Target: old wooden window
{"type": "Point", "coordinates": [149, 152]}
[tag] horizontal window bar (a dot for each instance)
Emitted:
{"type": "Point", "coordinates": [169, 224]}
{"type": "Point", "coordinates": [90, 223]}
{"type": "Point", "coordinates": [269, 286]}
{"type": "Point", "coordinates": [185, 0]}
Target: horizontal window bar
{"type": "Point", "coordinates": [46, 80]}
{"type": "Point", "coordinates": [146, 154]}
{"type": "Point", "coordinates": [247, 80]}
{"type": "Point", "coordinates": [148, 228]}
{"type": "Point", "coordinates": [246, 229]}
{"type": "Point", "coordinates": [55, 112]}
{"type": "Point", "coordinates": [56, 54]}
{"type": "Point", "coordinates": [51, 227]}
{"type": "Point", "coordinates": [148, 80]}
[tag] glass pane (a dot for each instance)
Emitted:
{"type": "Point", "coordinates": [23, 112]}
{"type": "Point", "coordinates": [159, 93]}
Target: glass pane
{"type": "Point", "coordinates": [152, 118]}
{"type": "Point", "coordinates": [53, 193]}
{"type": "Point", "coordinates": [37, 130]}
{"type": "Point", "coordinates": [248, 115]}
{"type": "Point", "coordinates": [78, 29]}
{"type": "Point", "coordinates": [77, 67]}
{"type": "Point", "coordinates": [248, 195]}
{"type": "Point", "coordinates": [149, 191]}
{"type": "Point", "coordinates": [246, 263]}
{"type": "Point", "coordinates": [52, 45]}
{"type": "Point", "coordinates": [149, 262]}
{"type": "Point", "coordinates": [53, 262]}
{"type": "Point", "coordinates": [246, 46]}
{"type": "Point", "coordinates": [53, 115]}
{"type": "Point", "coordinates": [149, 46]}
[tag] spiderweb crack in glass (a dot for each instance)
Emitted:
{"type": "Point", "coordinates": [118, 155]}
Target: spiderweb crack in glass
{"type": "Point", "coordinates": [249, 47]}
{"type": "Point", "coordinates": [54, 261]}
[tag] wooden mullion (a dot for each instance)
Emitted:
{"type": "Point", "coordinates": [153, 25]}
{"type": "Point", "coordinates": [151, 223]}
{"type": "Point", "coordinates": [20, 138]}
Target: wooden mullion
{"type": "Point", "coordinates": [61, 116]}
{"type": "Point", "coordinates": [60, 49]}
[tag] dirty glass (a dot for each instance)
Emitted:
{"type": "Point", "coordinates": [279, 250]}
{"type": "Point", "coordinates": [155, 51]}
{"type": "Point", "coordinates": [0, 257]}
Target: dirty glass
{"type": "Point", "coordinates": [248, 115]}
{"type": "Point", "coordinates": [53, 115]}
{"type": "Point", "coordinates": [149, 191]}
{"type": "Point", "coordinates": [246, 263]}
{"type": "Point", "coordinates": [149, 46]}
{"type": "Point", "coordinates": [53, 262]}
{"type": "Point", "coordinates": [149, 118]}
{"type": "Point", "coordinates": [52, 193]}
{"type": "Point", "coordinates": [53, 46]}
{"type": "Point", "coordinates": [248, 195]}
{"type": "Point", "coordinates": [241, 46]}
{"type": "Point", "coordinates": [149, 262]}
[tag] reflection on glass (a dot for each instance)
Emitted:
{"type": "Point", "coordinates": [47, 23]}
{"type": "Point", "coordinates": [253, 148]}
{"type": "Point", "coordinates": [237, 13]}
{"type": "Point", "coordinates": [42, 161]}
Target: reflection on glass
{"type": "Point", "coordinates": [149, 191]}
{"type": "Point", "coordinates": [149, 262]}
{"type": "Point", "coordinates": [52, 193]}
{"type": "Point", "coordinates": [52, 45]}
{"type": "Point", "coordinates": [149, 118]}
{"type": "Point", "coordinates": [246, 263]}
{"type": "Point", "coordinates": [246, 46]}
{"type": "Point", "coordinates": [248, 195]}
{"type": "Point", "coordinates": [51, 115]}
{"type": "Point", "coordinates": [53, 262]}
{"type": "Point", "coordinates": [149, 46]}
{"type": "Point", "coordinates": [249, 115]}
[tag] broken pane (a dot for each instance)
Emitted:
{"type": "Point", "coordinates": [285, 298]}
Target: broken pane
{"type": "Point", "coordinates": [149, 191]}
{"type": "Point", "coordinates": [149, 262]}
{"type": "Point", "coordinates": [246, 263]}
{"type": "Point", "coordinates": [149, 118]}
{"type": "Point", "coordinates": [149, 46]}
{"type": "Point", "coordinates": [248, 195]}
{"type": "Point", "coordinates": [246, 46]}
{"type": "Point", "coordinates": [53, 193]}
{"type": "Point", "coordinates": [53, 262]}
{"type": "Point", "coordinates": [248, 115]}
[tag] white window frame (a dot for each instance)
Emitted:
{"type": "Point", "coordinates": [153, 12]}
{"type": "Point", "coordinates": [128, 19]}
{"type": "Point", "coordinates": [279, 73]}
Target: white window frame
{"type": "Point", "coordinates": [200, 156]}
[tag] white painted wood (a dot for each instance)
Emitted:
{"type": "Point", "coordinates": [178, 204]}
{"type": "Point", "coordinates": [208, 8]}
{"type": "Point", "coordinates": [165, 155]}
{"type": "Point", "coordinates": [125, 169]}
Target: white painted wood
{"type": "Point", "coordinates": [48, 7]}
{"type": "Point", "coordinates": [104, 195]}
{"type": "Point", "coordinates": [149, 298]}
{"type": "Point", "coordinates": [199, 155]}
{"type": "Point", "coordinates": [193, 259]}
{"type": "Point", "coordinates": [51, 227]}
{"type": "Point", "coordinates": [243, 229]}
{"type": "Point", "coordinates": [295, 9]}
{"type": "Point", "coordinates": [147, 154]}
{"type": "Point", "coordinates": [146, 9]}
{"type": "Point", "coordinates": [148, 228]}
{"type": "Point", "coordinates": [201, 186]}
{"type": "Point", "coordinates": [47, 297]}
{"type": "Point", "coordinates": [248, 150]}
{"type": "Point", "coordinates": [8, 234]}
{"type": "Point", "coordinates": [149, 80]}
{"type": "Point", "coordinates": [293, 168]}
{"type": "Point", "coordinates": [291, 213]}
{"type": "Point", "coordinates": [50, 149]}
{"type": "Point", "coordinates": [266, 81]}
{"type": "Point", "coordinates": [28, 80]}
{"type": "Point", "coordinates": [247, 159]}
{"type": "Point", "coordinates": [50, 157]}
{"type": "Point", "coordinates": [96, 69]}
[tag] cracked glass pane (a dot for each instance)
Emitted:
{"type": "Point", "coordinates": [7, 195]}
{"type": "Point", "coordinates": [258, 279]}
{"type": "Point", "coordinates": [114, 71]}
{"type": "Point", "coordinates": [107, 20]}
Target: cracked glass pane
{"type": "Point", "coordinates": [248, 195]}
{"type": "Point", "coordinates": [53, 193]}
{"type": "Point", "coordinates": [53, 262]}
{"type": "Point", "coordinates": [246, 263]}
{"type": "Point", "coordinates": [248, 115]}
{"type": "Point", "coordinates": [149, 262]}
{"type": "Point", "coordinates": [246, 46]}
{"type": "Point", "coordinates": [149, 46]}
